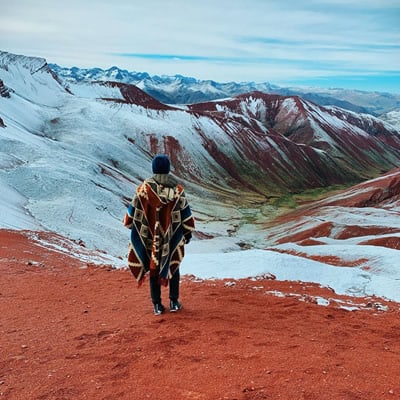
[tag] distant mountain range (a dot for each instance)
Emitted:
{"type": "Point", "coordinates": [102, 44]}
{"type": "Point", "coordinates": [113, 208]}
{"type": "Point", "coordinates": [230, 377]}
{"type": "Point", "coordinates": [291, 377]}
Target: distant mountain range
{"type": "Point", "coordinates": [179, 89]}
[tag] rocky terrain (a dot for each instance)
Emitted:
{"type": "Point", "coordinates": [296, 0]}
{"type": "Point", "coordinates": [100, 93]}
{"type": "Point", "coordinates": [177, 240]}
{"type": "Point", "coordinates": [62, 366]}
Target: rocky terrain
{"type": "Point", "coordinates": [70, 330]}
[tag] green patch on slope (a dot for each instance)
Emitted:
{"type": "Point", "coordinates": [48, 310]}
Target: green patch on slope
{"type": "Point", "coordinates": [294, 200]}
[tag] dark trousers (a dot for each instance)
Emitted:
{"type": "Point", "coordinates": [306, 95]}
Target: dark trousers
{"type": "Point", "coordinates": [155, 288]}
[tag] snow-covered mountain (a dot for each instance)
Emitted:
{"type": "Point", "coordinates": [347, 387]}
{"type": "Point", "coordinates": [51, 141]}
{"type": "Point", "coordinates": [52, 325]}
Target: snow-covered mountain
{"type": "Point", "coordinates": [179, 89]}
{"type": "Point", "coordinates": [254, 146]}
{"type": "Point", "coordinates": [175, 89]}
{"type": "Point", "coordinates": [70, 159]}
{"type": "Point", "coordinates": [355, 143]}
{"type": "Point", "coordinates": [234, 135]}
{"type": "Point", "coordinates": [392, 118]}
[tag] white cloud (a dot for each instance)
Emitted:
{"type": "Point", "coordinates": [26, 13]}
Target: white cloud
{"type": "Point", "coordinates": [297, 37]}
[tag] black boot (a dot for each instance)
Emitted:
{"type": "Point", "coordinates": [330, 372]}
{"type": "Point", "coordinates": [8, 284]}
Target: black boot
{"type": "Point", "coordinates": [158, 309]}
{"type": "Point", "coordinates": [174, 306]}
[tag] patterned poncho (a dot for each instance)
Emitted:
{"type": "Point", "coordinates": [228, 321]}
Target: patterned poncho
{"type": "Point", "coordinates": [159, 218]}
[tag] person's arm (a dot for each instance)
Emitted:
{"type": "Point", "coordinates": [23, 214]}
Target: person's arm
{"type": "Point", "coordinates": [130, 212]}
{"type": "Point", "coordinates": [187, 219]}
{"type": "Point", "coordinates": [128, 218]}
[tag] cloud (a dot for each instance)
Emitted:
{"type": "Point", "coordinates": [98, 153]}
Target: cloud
{"type": "Point", "coordinates": [235, 39]}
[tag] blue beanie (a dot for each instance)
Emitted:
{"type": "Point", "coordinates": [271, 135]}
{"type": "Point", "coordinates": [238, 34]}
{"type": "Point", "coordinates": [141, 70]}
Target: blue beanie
{"type": "Point", "coordinates": [161, 164]}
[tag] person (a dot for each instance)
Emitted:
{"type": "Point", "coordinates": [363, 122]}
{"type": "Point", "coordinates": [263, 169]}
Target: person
{"type": "Point", "coordinates": [161, 223]}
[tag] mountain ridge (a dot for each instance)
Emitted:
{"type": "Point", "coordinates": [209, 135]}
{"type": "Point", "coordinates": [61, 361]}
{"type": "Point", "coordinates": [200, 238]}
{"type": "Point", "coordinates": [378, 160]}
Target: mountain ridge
{"type": "Point", "coordinates": [178, 89]}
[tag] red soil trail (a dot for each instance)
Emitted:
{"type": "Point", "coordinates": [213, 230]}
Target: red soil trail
{"type": "Point", "coordinates": [72, 331]}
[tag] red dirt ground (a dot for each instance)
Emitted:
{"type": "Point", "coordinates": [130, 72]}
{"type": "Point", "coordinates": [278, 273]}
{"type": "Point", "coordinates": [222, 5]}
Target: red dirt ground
{"type": "Point", "coordinates": [72, 331]}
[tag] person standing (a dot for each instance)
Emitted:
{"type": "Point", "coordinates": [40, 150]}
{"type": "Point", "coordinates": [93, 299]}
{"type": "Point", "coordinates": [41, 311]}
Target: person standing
{"type": "Point", "coordinates": [161, 223]}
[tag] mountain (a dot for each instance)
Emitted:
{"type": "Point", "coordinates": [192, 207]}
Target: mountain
{"type": "Point", "coordinates": [187, 90]}
{"type": "Point", "coordinates": [355, 143]}
{"type": "Point", "coordinates": [337, 218]}
{"type": "Point", "coordinates": [392, 118]}
{"type": "Point", "coordinates": [69, 163]}
{"type": "Point", "coordinates": [375, 103]}
{"type": "Point", "coordinates": [176, 89]}
{"type": "Point", "coordinates": [72, 158]}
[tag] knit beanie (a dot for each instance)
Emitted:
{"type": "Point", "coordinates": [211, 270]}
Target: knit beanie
{"type": "Point", "coordinates": [161, 164]}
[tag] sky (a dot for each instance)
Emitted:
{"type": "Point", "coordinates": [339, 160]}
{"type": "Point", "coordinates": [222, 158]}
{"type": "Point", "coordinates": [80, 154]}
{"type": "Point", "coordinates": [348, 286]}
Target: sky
{"type": "Point", "coordinates": [332, 43]}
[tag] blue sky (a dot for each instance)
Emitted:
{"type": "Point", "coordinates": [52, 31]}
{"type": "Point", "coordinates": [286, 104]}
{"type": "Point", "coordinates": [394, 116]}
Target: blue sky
{"type": "Point", "coordinates": [327, 43]}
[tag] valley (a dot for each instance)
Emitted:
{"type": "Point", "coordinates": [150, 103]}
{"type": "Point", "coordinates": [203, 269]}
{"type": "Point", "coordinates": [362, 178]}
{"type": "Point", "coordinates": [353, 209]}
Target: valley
{"type": "Point", "coordinates": [262, 172]}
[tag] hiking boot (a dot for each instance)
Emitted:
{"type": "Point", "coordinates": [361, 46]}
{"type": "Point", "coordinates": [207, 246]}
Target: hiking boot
{"type": "Point", "coordinates": [174, 306]}
{"type": "Point", "coordinates": [158, 309]}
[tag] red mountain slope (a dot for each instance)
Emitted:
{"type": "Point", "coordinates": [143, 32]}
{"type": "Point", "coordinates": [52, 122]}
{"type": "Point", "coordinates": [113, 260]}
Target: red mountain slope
{"type": "Point", "coordinates": [360, 144]}
{"type": "Point", "coordinates": [321, 219]}
{"type": "Point", "coordinates": [133, 95]}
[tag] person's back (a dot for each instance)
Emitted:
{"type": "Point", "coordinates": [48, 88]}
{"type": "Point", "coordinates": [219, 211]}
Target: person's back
{"type": "Point", "coordinates": [161, 223]}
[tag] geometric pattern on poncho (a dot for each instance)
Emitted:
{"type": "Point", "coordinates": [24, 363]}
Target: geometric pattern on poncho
{"type": "Point", "coordinates": [158, 217]}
